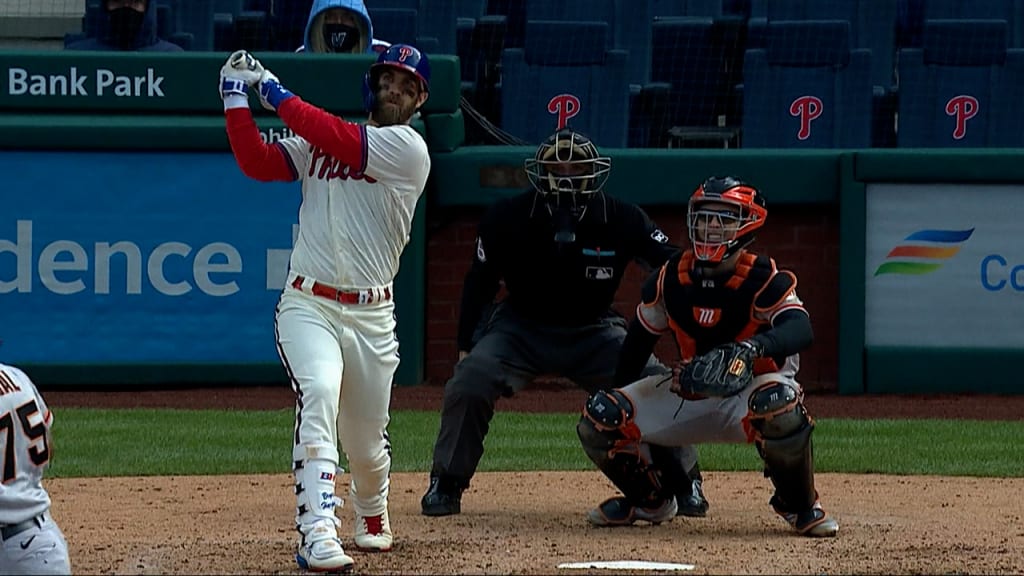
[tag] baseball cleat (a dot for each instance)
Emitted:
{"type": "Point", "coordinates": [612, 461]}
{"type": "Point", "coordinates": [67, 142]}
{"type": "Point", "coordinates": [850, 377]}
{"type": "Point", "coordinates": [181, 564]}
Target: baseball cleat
{"type": "Point", "coordinates": [321, 551]}
{"type": "Point", "coordinates": [815, 523]}
{"type": "Point", "coordinates": [373, 533]}
{"type": "Point", "coordinates": [443, 498]}
{"type": "Point", "coordinates": [619, 512]}
{"type": "Point", "coordinates": [694, 504]}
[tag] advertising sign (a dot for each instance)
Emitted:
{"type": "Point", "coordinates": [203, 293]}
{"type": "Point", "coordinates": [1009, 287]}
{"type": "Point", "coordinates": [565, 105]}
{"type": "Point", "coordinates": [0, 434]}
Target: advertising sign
{"type": "Point", "coordinates": [110, 258]}
{"type": "Point", "coordinates": [945, 266]}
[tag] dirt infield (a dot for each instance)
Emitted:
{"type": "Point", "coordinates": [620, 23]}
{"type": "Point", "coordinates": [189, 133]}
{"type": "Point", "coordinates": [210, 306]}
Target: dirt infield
{"type": "Point", "coordinates": [529, 523]}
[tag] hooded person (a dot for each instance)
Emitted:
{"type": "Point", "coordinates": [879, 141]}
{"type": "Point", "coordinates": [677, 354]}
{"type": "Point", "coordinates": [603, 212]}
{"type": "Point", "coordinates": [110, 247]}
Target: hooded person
{"type": "Point", "coordinates": [340, 26]}
{"type": "Point", "coordinates": [126, 25]}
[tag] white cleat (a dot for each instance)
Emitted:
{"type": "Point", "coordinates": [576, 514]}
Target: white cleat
{"type": "Point", "coordinates": [321, 551]}
{"type": "Point", "coordinates": [373, 533]}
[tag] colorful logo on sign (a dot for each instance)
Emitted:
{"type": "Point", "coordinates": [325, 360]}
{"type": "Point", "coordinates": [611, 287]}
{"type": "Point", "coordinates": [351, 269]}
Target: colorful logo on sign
{"type": "Point", "coordinates": [923, 251]}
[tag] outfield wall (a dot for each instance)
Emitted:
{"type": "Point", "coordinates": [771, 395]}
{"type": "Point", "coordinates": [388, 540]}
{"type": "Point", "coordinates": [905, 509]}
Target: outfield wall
{"type": "Point", "coordinates": [133, 251]}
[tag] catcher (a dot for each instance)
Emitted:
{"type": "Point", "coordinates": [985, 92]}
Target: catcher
{"type": "Point", "coordinates": [739, 326]}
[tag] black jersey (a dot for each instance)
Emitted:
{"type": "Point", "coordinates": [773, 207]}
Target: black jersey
{"type": "Point", "coordinates": [556, 283]}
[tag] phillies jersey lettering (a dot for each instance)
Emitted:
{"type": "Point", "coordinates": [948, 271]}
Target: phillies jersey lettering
{"type": "Point", "coordinates": [354, 221]}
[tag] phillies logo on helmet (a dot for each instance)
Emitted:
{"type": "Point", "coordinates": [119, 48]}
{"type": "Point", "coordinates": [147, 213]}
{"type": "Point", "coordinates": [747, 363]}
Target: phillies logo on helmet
{"type": "Point", "coordinates": [962, 108]}
{"type": "Point", "coordinates": [565, 106]}
{"type": "Point", "coordinates": [403, 53]}
{"type": "Point", "coordinates": [807, 109]}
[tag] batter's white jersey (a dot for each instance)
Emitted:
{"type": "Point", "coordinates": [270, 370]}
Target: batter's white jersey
{"type": "Point", "coordinates": [353, 226]}
{"type": "Point", "coordinates": [25, 443]}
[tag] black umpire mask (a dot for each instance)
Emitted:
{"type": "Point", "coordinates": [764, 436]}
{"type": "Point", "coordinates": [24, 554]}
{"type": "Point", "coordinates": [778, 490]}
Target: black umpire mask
{"type": "Point", "coordinates": [340, 37]}
{"type": "Point", "coordinates": [125, 23]}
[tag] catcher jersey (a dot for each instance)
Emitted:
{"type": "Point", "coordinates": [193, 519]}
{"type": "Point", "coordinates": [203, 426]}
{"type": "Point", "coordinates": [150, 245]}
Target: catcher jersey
{"type": "Point", "coordinates": [703, 312]}
{"type": "Point", "coordinates": [25, 435]}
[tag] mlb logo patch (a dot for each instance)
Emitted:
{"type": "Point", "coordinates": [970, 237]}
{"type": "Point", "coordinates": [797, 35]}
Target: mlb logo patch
{"type": "Point", "coordinates": [327, 476]}
{"type": "Point", "coordinates": [600, 272]}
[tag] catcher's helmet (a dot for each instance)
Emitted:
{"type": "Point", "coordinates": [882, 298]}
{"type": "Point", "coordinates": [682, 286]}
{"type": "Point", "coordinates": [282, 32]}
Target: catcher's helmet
{"type": "Point", "coordinates": [717, 234]}
{"type": "Point", "coordinates": [567, 169]}
{"type": "Point", "coordinates": [403, 57]}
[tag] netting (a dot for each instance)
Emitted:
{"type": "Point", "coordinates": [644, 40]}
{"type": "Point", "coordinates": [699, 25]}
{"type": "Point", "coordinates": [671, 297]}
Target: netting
{"type": "Point", "coordinates": [643, 73]}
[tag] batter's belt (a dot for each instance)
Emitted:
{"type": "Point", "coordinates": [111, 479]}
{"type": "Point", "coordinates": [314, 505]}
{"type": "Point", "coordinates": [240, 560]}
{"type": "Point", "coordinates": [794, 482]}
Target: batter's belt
{"type": "Point", "coordinates": [8, 531]}
{"type": "Point", "coordinates": [366, 296]}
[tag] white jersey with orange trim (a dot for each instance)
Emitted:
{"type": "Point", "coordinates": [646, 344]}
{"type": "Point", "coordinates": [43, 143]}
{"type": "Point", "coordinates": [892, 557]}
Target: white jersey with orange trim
{"type": "Point", "coordinates": [354, 222]}
{"type": "Point", "coordinates": [25, 432]}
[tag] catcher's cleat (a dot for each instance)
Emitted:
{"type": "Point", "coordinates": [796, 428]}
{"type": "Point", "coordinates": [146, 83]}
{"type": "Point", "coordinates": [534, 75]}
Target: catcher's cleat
{"type": "Point", "coordinates": [373, 533]}
{"type": "Point", "coordinates": [443, 498]}
{"type": "Point", "coordinates": [320, 550]}
{"type": "Point", "coordinates": [619, 512]}
{"type": "Point", "coordinates": [693, 503]}
{"type": "Point", "coordinates": [815, 522]}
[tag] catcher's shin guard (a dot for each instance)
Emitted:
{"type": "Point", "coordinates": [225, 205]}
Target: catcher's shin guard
{"type": "Point", "coordinates": [611, 440]}
{"type": "Point", "coordinates": [783, 440]}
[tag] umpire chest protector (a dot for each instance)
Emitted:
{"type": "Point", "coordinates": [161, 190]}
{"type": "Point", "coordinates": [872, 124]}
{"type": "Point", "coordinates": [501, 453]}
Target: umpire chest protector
{"type": "Point", "coordinates": [706, 311]}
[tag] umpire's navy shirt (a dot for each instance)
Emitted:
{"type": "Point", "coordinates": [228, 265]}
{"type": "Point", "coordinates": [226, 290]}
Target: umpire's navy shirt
{"type": "Point", "coordinates": [552, 283]}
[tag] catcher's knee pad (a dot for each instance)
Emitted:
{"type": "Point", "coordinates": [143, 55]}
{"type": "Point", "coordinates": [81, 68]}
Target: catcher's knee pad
{"type": "Point", "coordinates": [611, 440]}
{"type": "Point", "coordinates": [783, 436]}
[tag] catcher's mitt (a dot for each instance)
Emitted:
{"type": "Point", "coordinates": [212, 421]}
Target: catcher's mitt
{"type": "Point", "coordinates": [721, 372]}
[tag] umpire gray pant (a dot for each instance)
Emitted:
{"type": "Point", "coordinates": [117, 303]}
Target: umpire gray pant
{"type": "Point", "coordinates": [510, 354]}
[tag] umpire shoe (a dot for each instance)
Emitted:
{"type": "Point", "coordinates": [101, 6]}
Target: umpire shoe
{"type": "Point", "coordinates": [373, 533]}
{"type": "Point", "coordinates": [443, 498]}
{"type": "Point", "coordinates": [619, 512]}
{"type": "Point", "coordinates": [815, 522]}
{"type": "Point", "coordinates": [692, 503]}
{"type": "Point", "coordinates": [320, 550]}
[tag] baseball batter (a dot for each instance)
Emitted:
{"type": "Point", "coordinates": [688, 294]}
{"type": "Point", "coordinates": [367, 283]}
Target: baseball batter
{"type": "Point", "coordinates": [32, 541]}
{"type": "Point", "coordinates": [714, 297]}
{"type": "Point", "coordinates": [335, 323]}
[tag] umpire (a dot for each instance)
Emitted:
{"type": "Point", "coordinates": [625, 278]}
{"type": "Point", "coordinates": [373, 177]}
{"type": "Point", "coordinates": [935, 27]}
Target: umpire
{"type": "Point", "coordinates": [561, 250]}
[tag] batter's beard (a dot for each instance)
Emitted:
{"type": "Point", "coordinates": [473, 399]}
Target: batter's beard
{"type": "Point", "coordinates": [385, 115]}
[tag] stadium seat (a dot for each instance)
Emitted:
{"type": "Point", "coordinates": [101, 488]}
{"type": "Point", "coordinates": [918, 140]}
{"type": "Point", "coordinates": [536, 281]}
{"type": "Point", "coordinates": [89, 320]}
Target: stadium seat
{"type": "Point", "coordinates": [195, 17]}
{"type": "Point", "coordinates": [564, 72]}
{"type": "Point", "coordinates": [962, 87]}
{"type": "Point", "coordinates": [914, 13]}
{"type": "Point", "coordinates": [396, 25]}
{"type": "Point", "coordinates": [799, 98]}
{"type": "Point", "coordinates": [872, 27]}
{"type": "Point", "coordinates": [677, 8]}
{"type": "Point", "coordinates": [288, 22]}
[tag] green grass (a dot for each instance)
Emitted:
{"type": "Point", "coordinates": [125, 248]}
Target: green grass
{"type": "Point", "coordinates": [93, 442]}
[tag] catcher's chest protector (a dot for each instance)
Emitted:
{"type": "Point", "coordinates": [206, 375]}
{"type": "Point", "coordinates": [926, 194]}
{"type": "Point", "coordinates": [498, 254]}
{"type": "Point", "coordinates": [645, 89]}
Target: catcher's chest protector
{"type": "Point", "coordinates": [703, 316]}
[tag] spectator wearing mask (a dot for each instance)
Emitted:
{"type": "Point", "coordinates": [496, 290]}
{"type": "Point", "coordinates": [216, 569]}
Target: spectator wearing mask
{"type": "Point", "coordinates": [340, 26]}
{"type": "Point", "coordinates": [127, 25]}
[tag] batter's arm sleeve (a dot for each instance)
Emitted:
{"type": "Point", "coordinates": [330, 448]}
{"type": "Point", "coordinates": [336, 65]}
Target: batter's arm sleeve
{"type": "Point", "coordinates": [653, 245]}
{"type": "Point", "coordinates": [641, 336]}
{"type": "Point", "coordinates": [258, 160]}
{"type": "Point", "coordinates": [482, 281]}
{"type": "Point", "coordinates": [343, 140]}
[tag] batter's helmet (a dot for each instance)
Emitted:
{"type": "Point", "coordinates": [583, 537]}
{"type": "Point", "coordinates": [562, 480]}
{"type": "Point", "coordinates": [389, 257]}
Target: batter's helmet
{"type": "Point", "coordinates": [403, 57]}
{"type": "Point", "coordinates": [718, 234]}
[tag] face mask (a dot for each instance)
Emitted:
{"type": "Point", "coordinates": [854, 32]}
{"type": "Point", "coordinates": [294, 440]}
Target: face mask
{"type": "Point", "coordinates": [340, 37]}
{"type": "Point", "coordinates": [125, 24]}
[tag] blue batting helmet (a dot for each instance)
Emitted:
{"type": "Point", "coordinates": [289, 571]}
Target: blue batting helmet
{"type": "Point", "coordinates": [403, 57]}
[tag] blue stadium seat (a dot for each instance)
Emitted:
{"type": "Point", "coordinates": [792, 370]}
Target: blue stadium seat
{"type": "Point", "coordinates": [872, 26]}
{"type": "Point", "coordinates": [676, 8]}
{"type": "Point", "coordinates": [565, 67]}
{"type": "Point", "coordinates": [396, 25]}
{"type": "Point", "coordinates": [689, 56]}
{"type": "Point", "coordinates": [195, 17]}
{"type": "Point", "coordinates": [288, 21]}
{"type": "Point", "coordinates": [914, 13]}
{"type": "Point", "coordinates": [799, 98]}
{"type": "Point", "coordinates": [962, 87]}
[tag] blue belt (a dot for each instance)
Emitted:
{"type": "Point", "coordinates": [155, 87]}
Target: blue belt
{"type": "Point", "coordinates": [8, 531]}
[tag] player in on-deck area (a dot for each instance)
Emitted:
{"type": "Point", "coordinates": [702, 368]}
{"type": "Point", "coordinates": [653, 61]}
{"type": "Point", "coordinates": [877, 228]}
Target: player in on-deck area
{"type": "Point", "coordinates": [335, 323]}
{"type": "Point", "coordinates": [32, 541]}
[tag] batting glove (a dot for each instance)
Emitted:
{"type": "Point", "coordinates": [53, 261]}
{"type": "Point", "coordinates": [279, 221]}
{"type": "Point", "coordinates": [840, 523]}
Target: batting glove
{"type": "Point", "coordinates": [239, 72]}
{"type": "Point", "coordinates": [272, 93]}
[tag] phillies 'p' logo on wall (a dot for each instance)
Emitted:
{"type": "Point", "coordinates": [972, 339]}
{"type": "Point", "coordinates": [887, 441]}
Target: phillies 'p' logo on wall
{"type": "Point", "coordinates": [806, 108]}
{"type": "Point", "coordinates": [403, 53]}
{"type": "Point", "coordinates": [962, 108]}
{"type": "Point", "coordinates": [565, 106]}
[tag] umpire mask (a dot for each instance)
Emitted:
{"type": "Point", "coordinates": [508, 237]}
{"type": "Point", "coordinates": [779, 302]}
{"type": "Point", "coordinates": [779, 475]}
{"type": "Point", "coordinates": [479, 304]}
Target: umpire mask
{"type": "Point", "coordinates": [567, 171]}
{"type": "Point", "coordinates": [340, 38]}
